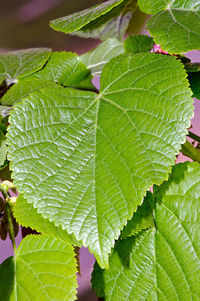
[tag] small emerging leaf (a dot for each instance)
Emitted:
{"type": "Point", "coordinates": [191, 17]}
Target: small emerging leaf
{"type": "Point", "coordinates": [138, 43]}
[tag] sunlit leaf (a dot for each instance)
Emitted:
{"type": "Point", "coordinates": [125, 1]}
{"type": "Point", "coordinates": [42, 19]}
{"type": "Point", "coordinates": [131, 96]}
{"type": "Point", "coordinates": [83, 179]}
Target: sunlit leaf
{"type": "Point", "coordinates": [85, 160]}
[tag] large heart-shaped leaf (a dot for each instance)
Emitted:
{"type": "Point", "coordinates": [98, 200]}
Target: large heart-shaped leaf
{"type": "Point", "coordinates": [175, 25]}
{"type": "Point", "coordinates": [44, 269]}
{"type": "Point", "coordinates": [17, 64]}
{"type": "Point", "coordinates": [161, 263]}
{"type": "Point", "coordinates": [85, 160]}
{"type": "Point", "coordinates": [78, 20]}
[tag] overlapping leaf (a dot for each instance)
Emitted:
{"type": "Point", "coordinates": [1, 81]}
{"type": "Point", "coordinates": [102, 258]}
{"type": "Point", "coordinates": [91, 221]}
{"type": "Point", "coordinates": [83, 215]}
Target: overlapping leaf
{"type": "Point", "coordinates": [138, 43]}
{"type": "Point", "coordinates": [66, 69]}
{"type": "Point", "coordinates": [27, 216]}
{"type": "Point", "coordinates": [98, 57]}
{"type": "Point", "coordinates": [44, 269]}
{"type": "Point", "coordinates": [78, 20]}
{"type": "Point", "coordinates": [22, 89]}
{"type": "Point", "coordinates": [194, 80]}
{"type": "Point", "coordinates": [17, 64]}
{"type": "Point", "coordinates": [112, 24]}
{"type": "Point", "coordinates": [142, 218]}
{"type": "Point", "coordinates": [85, 161]}
{"type": "Point", "coordinates": [175, 25]}
{"type": "Point", "coordinates": [161, 264]}
{"type": "Point", "coordinates": [63, 68]}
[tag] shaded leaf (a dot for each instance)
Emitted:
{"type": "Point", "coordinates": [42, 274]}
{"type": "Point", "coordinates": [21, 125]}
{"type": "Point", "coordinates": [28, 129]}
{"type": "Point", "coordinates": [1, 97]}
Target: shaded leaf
{"type": "Point", "coordinates": [162, 264]}
{"type": "Point", "coordinates": [17, 64]}
{"type": "Point", "coordinates": [142, 218]}
{"type": "Point", "coordinates": [21, 90]}
{"type": "Point", "coordinates": [103, 53]}
{"type": "Point", "coordinates": [194, 80]}
{"type": "Point", "coordinates": [45, 269]}
{"type": "Point", "coordinates": [96, 155]}
{"type": "Point", "coordinates": [66, 69]}
{"type": "Point", "coordinates": [113, 24]}
{"type": "Point", "coordinates": [138, 43]}
{"type": "Point", "coordinates": [77, 20]}
{"type": "Point", "coordinates": [175, 25]}
{"type": "Point", "coordinates": [7, 271]}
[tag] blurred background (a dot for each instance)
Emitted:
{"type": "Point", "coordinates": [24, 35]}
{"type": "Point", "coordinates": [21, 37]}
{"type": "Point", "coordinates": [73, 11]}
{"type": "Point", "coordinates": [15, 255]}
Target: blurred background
{"type": "Point", "coordinates": [24, 24]}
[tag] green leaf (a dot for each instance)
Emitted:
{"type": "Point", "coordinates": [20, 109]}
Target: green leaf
{"type": "Point", "coordinates": [194, 80]}
{"type": "Point", "coordinates": [7, 272]}
{"type": "Point", "coordinates": [82, 159]}
{"type": "Point", "coordinates": [98, 57]}
{"type": "Point", "coordinates": [27, 216]}
{"type": "Point", "coordinates": [175, 25]}
{"type": "Point", "coordinates": [113, 24]}
{"type": "Point", "coordinates": [44, 269]}
{"type": "Point", "coordinates": [77, 20]}
{"type": "Point", "coordinates": [66, 69]}
{"type": "Point", "coordinates": [4, 110]}
{"type": "Point", "coordinates": [22, 89]}
{"type": "Point", "coordinates": [17, 64]}
{"type": "Point", "coordinates": [142, 218]}
{"type": "Point", "coordinates": [3, 148]}
{"type": "Point", "coordinates": [138, 43]}
{"type": "Point", "coordinates": [162, 264]}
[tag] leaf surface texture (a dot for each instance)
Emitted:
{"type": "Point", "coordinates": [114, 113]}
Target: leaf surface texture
{"type": "Point", "coordinates": [85, 160]}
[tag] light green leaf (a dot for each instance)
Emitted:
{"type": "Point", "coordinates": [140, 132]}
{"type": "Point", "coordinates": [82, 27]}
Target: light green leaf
{"type": "Point", "coordinates": [27, 216]}
{"type": "Point", "coordinates": [66, 69]}
{"type": "Point", "coordinates": [98, 57]}
{"type": "Point", "coordinates": [163, 264]}
{"type": "Point", "coordinates": [44, 269]}
{"type": "Point", "coordinates": [77, 20]}
{"type": "Point", "coordinates": [22, 89]}
{"type": "Point", "coordinates": [85, 160]}
{"type": "Point", "coordinates": [194, 80]}
{"type": "Point", "coordinates": [142, 218]}
{"type": "Point", "coordinates": [113, 24]}
{"type": "Point", "coordinates": [4, 110]}
{"type": "Point", "coordinates": [175, 25]}
{"type": "Point", "coordinates": [138, 43]}
{"type": "Point", "coordinates": [17, 64]}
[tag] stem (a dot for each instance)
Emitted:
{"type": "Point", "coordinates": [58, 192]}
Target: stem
{"type": "Point", "coordinates": [8, 211]}
{"type": "Point", "coordinates": [193, 136]}
{"type": "Point", "coordinates": [190, 151]}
